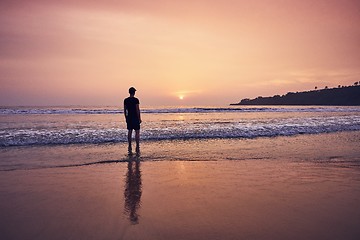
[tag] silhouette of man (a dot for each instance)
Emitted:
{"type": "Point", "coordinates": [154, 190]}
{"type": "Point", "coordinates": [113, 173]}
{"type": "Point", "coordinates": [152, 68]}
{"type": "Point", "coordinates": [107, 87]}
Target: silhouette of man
{"type": "Point", "coordinates": [133, 118]}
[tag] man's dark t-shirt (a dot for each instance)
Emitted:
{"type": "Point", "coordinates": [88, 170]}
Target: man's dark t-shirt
{"type": "Point", "coordinates": [132, 119]}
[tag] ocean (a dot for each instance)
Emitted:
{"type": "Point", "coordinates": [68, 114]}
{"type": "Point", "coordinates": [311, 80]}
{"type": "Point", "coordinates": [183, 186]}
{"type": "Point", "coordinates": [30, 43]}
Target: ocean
{"type": "Point", "coordinates": [30, 130]}
{"type": "Point", "coordinates": [29, 126]}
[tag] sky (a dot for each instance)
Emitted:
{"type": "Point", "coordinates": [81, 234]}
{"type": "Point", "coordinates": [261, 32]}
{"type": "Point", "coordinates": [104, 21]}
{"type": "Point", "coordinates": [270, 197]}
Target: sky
{"type": "Point", "coordinates": [175, 53]}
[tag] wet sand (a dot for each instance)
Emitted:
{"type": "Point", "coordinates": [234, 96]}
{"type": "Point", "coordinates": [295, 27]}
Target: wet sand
{"type": "Point", "coordinates": [238, 190]}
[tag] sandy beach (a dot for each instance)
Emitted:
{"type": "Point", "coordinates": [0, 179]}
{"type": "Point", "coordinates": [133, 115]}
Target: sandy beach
{"type": "Point", "coordinates": [301, 187]}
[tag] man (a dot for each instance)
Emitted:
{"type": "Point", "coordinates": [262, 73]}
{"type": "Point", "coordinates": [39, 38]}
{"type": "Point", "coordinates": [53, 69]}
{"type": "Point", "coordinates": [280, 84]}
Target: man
{"type": "Point", "coordinates": [133, 119]}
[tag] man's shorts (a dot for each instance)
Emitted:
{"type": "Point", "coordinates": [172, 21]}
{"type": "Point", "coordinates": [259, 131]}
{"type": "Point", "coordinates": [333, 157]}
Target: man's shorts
{"type": "Point", "coordinates": [133, 124]}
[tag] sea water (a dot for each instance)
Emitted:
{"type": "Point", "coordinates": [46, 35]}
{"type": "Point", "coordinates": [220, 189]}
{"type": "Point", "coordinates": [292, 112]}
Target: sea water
{"type": "Point", "coordinates": [44, 132]}
{"type": "Point", "coordinates": [29, 126]}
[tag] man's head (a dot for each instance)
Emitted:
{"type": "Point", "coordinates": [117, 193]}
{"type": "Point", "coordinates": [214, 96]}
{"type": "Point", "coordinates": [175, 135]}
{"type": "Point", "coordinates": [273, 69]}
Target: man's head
{"type": "Point", "coordinates": [132, 91]}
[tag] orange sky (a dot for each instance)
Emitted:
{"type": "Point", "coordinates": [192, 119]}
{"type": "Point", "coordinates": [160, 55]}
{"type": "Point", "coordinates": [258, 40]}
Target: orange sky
{"type": "Point", "coordinates": [210, 52]}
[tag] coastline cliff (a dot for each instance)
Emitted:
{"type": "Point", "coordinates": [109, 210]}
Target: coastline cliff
{"type": "Point", "coordinates": [341, 96]}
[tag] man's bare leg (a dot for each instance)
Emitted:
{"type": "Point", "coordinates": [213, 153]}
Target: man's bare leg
{"type": "Point", "coordinates": [129, 141]}
{"type": "Point", "coordinates": [137, 139]}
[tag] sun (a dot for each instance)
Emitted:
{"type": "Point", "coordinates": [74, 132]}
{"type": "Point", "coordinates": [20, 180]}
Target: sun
{"type": "Point", "coordinates": [181, 97]}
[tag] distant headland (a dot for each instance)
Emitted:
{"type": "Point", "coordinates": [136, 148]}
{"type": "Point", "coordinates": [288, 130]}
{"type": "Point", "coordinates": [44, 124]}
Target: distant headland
{"type": "Point", "coordinates": [340, 96]}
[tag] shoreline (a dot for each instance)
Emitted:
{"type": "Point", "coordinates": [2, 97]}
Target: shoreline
{"type": "Point", "coordinates": [313, 146]}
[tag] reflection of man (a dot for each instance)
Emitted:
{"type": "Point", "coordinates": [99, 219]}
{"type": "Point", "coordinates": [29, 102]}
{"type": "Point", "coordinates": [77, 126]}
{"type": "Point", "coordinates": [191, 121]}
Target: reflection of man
{"type": "Point", "coordinates": [133, 191]}
{"type": "Point", "coordinates": [133, 119]}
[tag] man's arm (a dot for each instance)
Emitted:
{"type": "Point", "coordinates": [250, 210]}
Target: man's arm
{"type": "Point", "coordinates": [125, 111]}
{"type": "Point", "coordinates": [138, 112]}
